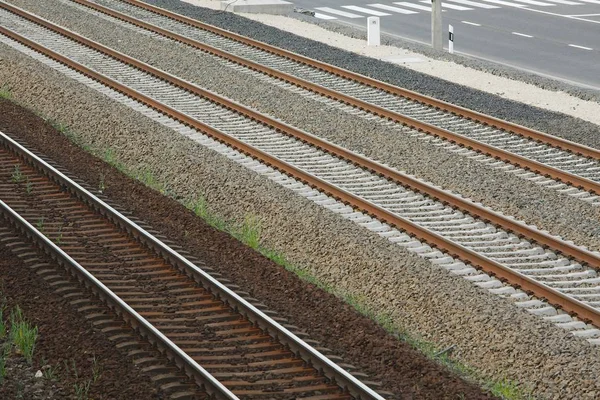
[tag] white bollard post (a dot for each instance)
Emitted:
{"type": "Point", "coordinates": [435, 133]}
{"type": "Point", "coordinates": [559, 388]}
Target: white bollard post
{"type": "Point", "coordinates": [373, 31]}
{"type": "Point", "coordinates": [450, 39]}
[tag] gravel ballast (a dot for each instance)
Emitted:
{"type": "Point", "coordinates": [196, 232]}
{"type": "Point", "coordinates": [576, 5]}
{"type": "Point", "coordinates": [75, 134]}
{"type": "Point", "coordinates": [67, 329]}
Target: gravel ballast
{"type": "Point", "coordinates": [546, 208]}
{"type": "Point", "coordinates": [549, 122]}
{"type": "Point", "coordinates": [490, 334]}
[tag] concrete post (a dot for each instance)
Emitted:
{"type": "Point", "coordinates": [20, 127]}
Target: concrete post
{"type": "Point", "coordinates": [373, 31]}
{"type": "Point", "coordinates": [436, 24]}
{"type": "Point", "coordinates": [450, 39]}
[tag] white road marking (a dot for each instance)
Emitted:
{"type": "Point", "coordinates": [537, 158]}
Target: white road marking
{"type": "Point", "coordinates": [323, 16]}
{"type": "Point", "coordinates": [412, 5]}
{"type": "Point", "coordinates": [470, 23]}
{"type": "Point", "coordinates": [580, 47]}
{"type": "Point", "coordinates": [569, 3]}
{"type": "Point", "coordinates": [474, 4]}
{"type": "Point", "coordinates": [585, 15]}
{"type": "Point", "coordinates": [535, 3]}
{"type": "Point", "coordinates": [563, 16]}
{"type": "Point", "coordinates": [393, 9]}
{"type": "Point", "coordinates": [337, 12]}
{"type": "Point", "coordinates": [521, 34]}
{"type": "Point", "coordinates": [590, 1]}
{"type": "Point", "coordinates": [505, 3]}
{"type": "Point", "coordinates": [366, 11]}
{"type": "Point", "coordinates": [451, 6]}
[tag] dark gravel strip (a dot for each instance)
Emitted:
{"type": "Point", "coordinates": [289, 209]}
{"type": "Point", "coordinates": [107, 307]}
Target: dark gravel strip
{"type": "Point", "coordinates": [546, 121]}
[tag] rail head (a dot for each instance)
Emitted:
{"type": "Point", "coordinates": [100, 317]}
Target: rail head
{"type": "Point", "coordinates": [479, 211]}
{"type": "Point", "coordinates": [204, 379]}
{"type": "Point", "coordinates": [462, 140]}
{"type": "Point", "coordinates": [343, 378]}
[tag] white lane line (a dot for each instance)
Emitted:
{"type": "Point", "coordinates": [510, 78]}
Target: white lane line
{"type": "Point", "coordinates": [412, 5]}
{"type": "Point", "coordinates": [521, 34]}
{"type": "Point", "coordinates": [584, 15]}
{"type": "Point", "coordinates": [366, 11]}
{"type": "Point", "coordinates": [451, 6]}
{"type": "Point", "coordinates": [535, 3]}
{"type": "Point", "coordinates": [338, 12]}
{"type": "Point", "coordinates": [564, 16]}
{"type": "Point", "coordinates": [590, 1]}
{"type": "Point", "coordinates": [474, 4]}
{"type": "Point", "coordinates": [393, 9]}
{"type": "Point", "coordinates": [504, 3]}
{"type": "Point", "coordinates": [580, 47]}
{"type": "Point", "coordinates": [323, 16]}
{"type": "Point", "coordinates": [470, 23]}
{"type": "Point", "coordinates": [569, 3]}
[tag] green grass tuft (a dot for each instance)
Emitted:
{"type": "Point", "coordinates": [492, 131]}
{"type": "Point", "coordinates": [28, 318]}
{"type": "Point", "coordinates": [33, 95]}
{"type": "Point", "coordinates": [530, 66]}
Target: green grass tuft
{"type": "Point", "coordinates": [23, 334]}
{"type": "Point", "coordinates": [5, 93]}
{"type": "Point", "coordinates": [17, 175]}
{"type": "Point", "coordinates": [249, 232]}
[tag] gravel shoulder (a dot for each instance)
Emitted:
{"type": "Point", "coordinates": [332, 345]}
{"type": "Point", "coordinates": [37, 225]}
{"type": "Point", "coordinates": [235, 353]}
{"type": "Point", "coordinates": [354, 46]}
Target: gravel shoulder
{"type": "Point", "coordinates": [559, 214]}
{"type": "Point", "coordinates": [490, 334]}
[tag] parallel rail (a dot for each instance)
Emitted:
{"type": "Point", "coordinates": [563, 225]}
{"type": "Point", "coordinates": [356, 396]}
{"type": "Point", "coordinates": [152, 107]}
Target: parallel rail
{"type": "Point", "coordinates": [260, 320]}
{"type": "Point", "coordinates": [555, 297]}
{"type": "Point", "coordinates": [492, 151]}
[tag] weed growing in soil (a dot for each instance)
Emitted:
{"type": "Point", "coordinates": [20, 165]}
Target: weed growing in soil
{"type": "Point", "coordinates": [4, 353]}
{"type": "Point", "coordinates": [200, 209]}
{"type": "Point", "coordinates": [49, 372]}
{"type": "Point", "coordinates": [23, 334]}
{"type": "Point", "coordinates": [40, 224]}
{"type": "Point", "coordinates": [5, 93]}
{"type": "Point", "coordinates": [59, 238]}
{"type": "Point", "coordinates": [101, 185]}
{"type": "Point", "coordinates": [96, 370]}
{"type": "Point", "coordinates": [29, 186]}
{"type": "Point", "coordinates": [17, 175]}
{"type": "Point", "coordinates": [2, 323]}
{"type": "Point", "coordinates": [249, 232]}
{"type": "Point", "coordinates": [506, 389]}
{"type": "Point", "coordinates": [82, 388]}
{"type": "Point", "coordinates": [110, 157]}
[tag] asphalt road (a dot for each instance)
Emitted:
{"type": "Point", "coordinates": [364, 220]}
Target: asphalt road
{"type": "Point", "coordinates": [555, 38]}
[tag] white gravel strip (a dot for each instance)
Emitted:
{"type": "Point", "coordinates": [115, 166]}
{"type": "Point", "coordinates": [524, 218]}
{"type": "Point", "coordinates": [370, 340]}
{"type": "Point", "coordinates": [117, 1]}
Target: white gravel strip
{"type": "Point", "coordinates": [507, 88]}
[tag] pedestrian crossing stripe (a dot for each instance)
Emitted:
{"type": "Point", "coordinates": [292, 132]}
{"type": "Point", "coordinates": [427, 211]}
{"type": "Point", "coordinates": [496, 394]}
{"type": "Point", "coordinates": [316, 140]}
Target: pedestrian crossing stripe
{"type": "Point", "coordinates": [415, 7]}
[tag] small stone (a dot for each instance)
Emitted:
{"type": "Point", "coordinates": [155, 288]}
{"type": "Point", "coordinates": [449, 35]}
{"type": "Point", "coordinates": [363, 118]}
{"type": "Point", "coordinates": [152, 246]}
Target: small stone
{"type": "Point", "coordinates": [39, 374]}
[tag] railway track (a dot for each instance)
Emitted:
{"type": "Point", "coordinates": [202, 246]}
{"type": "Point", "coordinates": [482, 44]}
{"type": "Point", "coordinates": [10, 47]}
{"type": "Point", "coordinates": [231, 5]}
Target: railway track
{"type": "Point", "coordinates": [230, 347]}
{"type": "Point", "coordinates": [541, 158]}
{"type": "Point", "coordinates": [467, 236]}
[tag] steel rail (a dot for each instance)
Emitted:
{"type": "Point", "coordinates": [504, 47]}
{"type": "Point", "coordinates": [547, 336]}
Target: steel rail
{"type": "Point", "coordinates": [582, 310]}
{"type": "Point", "coordinates": [202, 377]}
{"type": "Point", "coordinates": [492, 151]}
{"type": "Point", "coordinates": [262, 320]}
{"type": "Point", "coordinates": [469, 207]}
{"type": "Point", "coordinates": [492, 267]}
